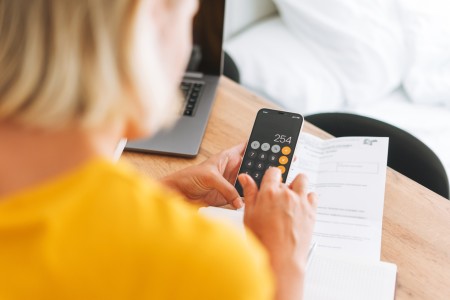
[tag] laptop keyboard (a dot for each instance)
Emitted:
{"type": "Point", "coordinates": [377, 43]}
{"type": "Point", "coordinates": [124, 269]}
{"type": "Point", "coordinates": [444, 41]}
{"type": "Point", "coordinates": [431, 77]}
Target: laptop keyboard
{"type": "Point", "coordinates": [192, 92]}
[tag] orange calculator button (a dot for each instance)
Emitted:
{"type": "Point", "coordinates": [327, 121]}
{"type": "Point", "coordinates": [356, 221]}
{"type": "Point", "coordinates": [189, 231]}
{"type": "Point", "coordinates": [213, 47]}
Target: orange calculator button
{"type": "Point", "coordinates": [286, 150]}
{"type": "Point", "coordinates": [283, 160]}
{"type": "Point", "coordinates": [283, 169]}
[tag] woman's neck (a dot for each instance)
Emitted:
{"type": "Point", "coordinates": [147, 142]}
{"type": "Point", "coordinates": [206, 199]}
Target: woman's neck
{"type": "Point", "coordinates": [29, 156]}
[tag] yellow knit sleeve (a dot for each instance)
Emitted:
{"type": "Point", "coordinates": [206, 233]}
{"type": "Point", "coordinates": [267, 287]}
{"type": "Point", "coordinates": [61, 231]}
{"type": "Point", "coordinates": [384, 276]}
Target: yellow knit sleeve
{"type": "Point", "coordinates": [205, 259]}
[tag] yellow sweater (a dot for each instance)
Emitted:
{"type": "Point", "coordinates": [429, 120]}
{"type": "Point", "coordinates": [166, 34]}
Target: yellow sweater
{"type": "Point", "coordinates": [104, 232]}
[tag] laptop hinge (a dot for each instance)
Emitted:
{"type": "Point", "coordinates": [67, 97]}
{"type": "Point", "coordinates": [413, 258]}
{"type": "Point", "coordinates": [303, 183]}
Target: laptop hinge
{"type": "Point", "coordinates": [193, 75]}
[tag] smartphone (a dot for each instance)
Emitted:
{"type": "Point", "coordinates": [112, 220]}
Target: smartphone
{"type": "Point", "coordinates": [271, 144]}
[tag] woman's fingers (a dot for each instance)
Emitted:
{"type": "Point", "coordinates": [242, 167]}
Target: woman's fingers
{"type": "Point", "coordinates": [299, 185]}
{"type": "Point", "coordinates": [312, 199]}
{"type": "Point", "coordinates": [229, 161]}
{"type": "Point", "coordinates": [271, 178]}
{"type": "Point", "coordinates": [249, 187]}
{"type": "Point", "coordinates": [227, 190]}
{"type": "Point", "coordinates": [237, 150]}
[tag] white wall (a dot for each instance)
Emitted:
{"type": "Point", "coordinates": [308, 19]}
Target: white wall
{"type": "Point", "coordinates": [241, 13]}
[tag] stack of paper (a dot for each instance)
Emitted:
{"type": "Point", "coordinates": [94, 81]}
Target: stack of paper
{"type": "Point", "coordinates": [344, 279]}
{"type": "Point", "coordinates": [349, 176]}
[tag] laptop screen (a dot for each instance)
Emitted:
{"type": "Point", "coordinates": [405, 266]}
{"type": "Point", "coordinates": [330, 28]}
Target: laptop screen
{"type": "Point", "coordinates": [206, 56]}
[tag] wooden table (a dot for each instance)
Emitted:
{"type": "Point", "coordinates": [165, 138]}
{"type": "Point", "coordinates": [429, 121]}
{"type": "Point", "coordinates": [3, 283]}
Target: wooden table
{"type": "Point", "coordinates": [416, 223]}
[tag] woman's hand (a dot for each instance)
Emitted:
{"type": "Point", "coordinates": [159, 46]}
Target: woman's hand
{"type": "Point", "coordinates": [211, 182]}
{"type": "Point", "coordinates": [282, 217]}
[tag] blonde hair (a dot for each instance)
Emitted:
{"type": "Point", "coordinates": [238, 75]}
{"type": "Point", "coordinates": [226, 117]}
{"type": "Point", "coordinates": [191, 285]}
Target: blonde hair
{"type": "Point", "coordinates": [80, 63]}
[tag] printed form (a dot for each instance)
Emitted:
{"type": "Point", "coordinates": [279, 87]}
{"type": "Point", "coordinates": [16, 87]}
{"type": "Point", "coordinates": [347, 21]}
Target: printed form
{"type": "Point", "coordinates": [349, 175]}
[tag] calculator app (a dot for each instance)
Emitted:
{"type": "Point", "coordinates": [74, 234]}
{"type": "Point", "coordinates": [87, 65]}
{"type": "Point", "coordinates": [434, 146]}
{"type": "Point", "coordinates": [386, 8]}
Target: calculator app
{"type": "Point", "coordinates": [271, 144]}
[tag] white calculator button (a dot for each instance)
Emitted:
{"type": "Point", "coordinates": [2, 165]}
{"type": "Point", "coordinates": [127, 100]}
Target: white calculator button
{"type": "Point", "coordinates": [265, 147]}
{"type": "Point", "coordinates": [255, 145]}
{"type": "Point", "coordinates": [276, 148]}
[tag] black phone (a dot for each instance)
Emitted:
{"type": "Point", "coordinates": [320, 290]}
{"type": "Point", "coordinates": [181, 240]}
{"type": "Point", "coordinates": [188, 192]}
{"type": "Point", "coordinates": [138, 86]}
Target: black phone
{"type": "Point", "coordinates": [271, 144]}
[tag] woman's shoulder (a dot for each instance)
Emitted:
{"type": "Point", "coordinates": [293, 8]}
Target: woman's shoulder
{"type": "Point", "coordinates": [97, 188]}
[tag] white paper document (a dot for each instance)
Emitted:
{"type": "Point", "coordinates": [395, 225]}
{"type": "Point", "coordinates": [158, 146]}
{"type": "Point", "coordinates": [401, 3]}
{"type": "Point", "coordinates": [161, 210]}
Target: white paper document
{"type": "Point", "coordinates": [349, 176]}
{"type": "Point", "coordinates": [339, 279]}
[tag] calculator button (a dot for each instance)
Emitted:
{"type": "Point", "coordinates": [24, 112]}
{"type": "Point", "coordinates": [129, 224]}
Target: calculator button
{"type": "Point", "coordinates": [252, 154]}
{"type": "Point", "coordinates": [273, 157]}
{"type": "Point", "coordinates": [259, 166]}
{"type": "Point", "coordinates": [265, 147]}
{"type": "Point", "coordinates": [276, 148]}
{"type": "Point", "coordinates": [255, 145]}
{"type": "Point", "coordinates": [283, 160]}
{"type": "Point", "coordinates": [270, 165]}
{"type": "Point", "coordinates": [286, 150]}
{"type": "Point", "coordinates": [283, 169]}
{"type": "Point", "coordinates": [245, 172]}
{"type": "Point", "coordinates": [257, 175]}
{"type": "Point", "coordinates": [262, 156]}
{"type": "Point", "coordinates": [249, 164]}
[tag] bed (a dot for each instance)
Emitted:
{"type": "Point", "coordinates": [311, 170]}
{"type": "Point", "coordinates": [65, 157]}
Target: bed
{"type": "Point", "coordinates": [283, 66]}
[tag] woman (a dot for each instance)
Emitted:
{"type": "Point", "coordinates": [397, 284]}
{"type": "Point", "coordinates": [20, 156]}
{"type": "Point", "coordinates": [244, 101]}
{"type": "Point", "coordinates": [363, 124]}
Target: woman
{"type": "Point", "coordinates": [76, 77]}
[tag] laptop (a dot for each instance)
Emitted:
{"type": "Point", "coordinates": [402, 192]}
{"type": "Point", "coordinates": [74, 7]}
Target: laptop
{"type": "Point", "coordinates": [199, 87]}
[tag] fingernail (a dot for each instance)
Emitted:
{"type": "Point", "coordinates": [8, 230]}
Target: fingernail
{"type": "Point", "coordinates": [278, 169]}
{"type": "Point", "coordinates": [242, 179]}
{"type": "Point", "coordinates": [237, 203]}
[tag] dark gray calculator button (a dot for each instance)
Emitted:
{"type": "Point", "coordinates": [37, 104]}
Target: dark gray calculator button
{"type": "Point", "coordinates": [273, 157]}
{"type": "Point", "coordinates": [252, 154]}
{"type": "Point", "coordinates": [255, 145]}
{"type": "Point", "coordinates": [259, 166]}
{"type": "Point", "coordinates": [249, 164]}
{"type": "Point", "coordinates": [262, 156]}
{"type": "Point", "coordinates": [257, 175]}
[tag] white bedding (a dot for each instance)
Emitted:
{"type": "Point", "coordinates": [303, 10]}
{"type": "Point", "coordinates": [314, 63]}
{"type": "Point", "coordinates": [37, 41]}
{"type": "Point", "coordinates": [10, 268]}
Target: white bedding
{"type": "Point", "coordinates": [430, 124]}
{"type": "Point", "coordinates": [289, 74]}
{"type": "Point", "coordinates": [426, 25]}
{"type": "Point", "coordinates": [360, 42]}
{"type": "Point", "coordinates": [294, 78]}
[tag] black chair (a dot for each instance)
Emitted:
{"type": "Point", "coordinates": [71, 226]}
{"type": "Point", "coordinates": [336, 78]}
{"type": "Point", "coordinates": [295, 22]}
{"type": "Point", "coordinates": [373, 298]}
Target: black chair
{"type": "Point", "coordinates": [230, 68]}
{"type": "Point", "coordinates": [407, 154]}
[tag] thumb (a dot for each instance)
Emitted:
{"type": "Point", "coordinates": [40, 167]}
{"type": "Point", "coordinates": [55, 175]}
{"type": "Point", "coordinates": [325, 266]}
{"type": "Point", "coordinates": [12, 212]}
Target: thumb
{"type": "Point", "coordinates": [228, 191]}
{"type": "Point", "coordinates": [312, 199]}
{"type": "Point", "coordinates": [250, 189]}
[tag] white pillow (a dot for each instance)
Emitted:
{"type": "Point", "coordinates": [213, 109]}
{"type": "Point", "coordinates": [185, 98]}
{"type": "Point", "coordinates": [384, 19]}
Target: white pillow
{"type": "Point", "coordinates": [273, 63]}
{"type": "Point", "coordinates": [361, 42]}
{"type": "Point", "coordinates": [427, 29]}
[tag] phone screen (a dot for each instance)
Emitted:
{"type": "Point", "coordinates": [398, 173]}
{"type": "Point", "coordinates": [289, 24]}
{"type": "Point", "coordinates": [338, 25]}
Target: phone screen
{"type": "Point", "coordinates": [271, 144]}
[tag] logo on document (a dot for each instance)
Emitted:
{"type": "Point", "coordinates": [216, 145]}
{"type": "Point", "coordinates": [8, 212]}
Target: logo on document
{"type": "Point", "coordinates": [369, 142]}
